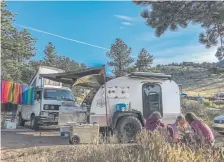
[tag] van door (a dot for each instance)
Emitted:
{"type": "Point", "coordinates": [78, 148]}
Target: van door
{"type": "Point", "coordinates": [152, 99]}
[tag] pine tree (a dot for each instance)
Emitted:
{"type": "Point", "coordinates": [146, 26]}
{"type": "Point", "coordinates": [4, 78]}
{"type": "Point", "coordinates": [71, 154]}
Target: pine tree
{"type": "Point", "coordinates": [144, 61]}
{"type": "Point", "coordinates": [173, 14]}
{"type": "Point", "coordinates": [17, 47]}
{"type": "Point", "coordinates": [120, 55]}
{"type": "Point", "coordinates": [50, 55]}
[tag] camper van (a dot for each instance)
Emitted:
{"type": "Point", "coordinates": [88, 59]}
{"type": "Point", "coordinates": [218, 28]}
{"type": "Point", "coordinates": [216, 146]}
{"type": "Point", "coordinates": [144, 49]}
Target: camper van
{"type": "Point", "coordinates": [48, 98]}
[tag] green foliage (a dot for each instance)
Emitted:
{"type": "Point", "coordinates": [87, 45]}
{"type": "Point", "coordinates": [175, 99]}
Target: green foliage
{"type": "Point", "coordinates": [173, 14]}
{"type": "Point", "coordinates": [120, 55]}
{"type": "Point", "coordinates": [18, 47]}
{"type": "Point", "coordinates": [53, 60]}
{"type": "Point", "coordinates": [207, 103]}
{"type": "Point", "coordinates": [144, 61]}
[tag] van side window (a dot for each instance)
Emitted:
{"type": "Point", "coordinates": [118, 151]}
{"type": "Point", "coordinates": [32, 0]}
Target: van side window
{"type": "Point", "coordinates": [34, 83]}
{"type": "Point", "coordinates": [37, 95]}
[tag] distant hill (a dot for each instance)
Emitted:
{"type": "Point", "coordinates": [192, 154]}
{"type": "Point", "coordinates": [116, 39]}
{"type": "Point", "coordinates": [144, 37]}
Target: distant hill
{"type": "Point", "coordinates": [197, 79]}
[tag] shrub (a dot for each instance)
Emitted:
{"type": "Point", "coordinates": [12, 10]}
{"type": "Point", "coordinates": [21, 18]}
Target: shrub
{"type": "Point", "coordinates": [207, 103]}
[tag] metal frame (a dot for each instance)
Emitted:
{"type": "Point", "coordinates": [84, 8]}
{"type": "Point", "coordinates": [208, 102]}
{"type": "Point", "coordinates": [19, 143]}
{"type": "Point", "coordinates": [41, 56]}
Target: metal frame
{"type": "Point", "coordinates": [150, 75]}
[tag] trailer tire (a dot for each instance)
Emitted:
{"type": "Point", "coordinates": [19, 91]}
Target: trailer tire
{"type": "Point", "coordinates": [127, 129]}
{"type": "Point", "coordinates": [34, 122]}
{"type": "Point", "coordinates": [21, 122]}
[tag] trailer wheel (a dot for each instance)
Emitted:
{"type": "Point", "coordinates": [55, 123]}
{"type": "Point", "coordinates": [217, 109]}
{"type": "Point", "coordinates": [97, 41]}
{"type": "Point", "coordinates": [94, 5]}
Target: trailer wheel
{"type": "Point", "coordinates": [127, 128]}
{"type": "Point", "coordinates": [34, 122]}
{"type": "Point", "coordinates": [21, 122]}
{"type": "Point", "coordinates": [75, 140]}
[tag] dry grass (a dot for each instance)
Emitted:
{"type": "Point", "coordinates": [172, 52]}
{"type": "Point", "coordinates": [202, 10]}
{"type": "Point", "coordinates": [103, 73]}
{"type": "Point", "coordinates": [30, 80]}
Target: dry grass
{"type": "Point", "coordinates": [200, 111]}
{"type": "Point", "coordinates": [149, 148]}
{"type": "Point", "coordinates": [214, 104]}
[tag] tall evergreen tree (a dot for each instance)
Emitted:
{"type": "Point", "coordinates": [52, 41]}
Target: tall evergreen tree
{"type": "Point", "coordinates": [50, 55]}
{"type": "Point", "coordinates": [17, 47]}
{"type": "Point", "coordinates": [173, 14]}
{"type": "Point", "coordinates": [144, 61]}
{"type": "Point", "coordinates": [53, 60]}
{"type": "Point", "coordinates": [120, 55]}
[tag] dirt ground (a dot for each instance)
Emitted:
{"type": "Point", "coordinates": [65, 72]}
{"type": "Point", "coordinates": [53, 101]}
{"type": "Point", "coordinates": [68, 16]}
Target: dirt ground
{"type": "Point", "coordinates": [24, 137]}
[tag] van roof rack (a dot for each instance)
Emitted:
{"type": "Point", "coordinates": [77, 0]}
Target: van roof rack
{"type": "Point", "coordinates": [150, 75]}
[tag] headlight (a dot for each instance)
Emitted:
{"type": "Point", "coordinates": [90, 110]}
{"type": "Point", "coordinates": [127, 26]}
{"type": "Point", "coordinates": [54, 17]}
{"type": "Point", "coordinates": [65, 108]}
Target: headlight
{"type": "Point", "coordinates": [51, 107]}
{"type": "Point", "coordinates": [46, 107]}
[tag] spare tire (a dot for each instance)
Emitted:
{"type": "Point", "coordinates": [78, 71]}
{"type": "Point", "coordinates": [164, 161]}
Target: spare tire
{"type": "Point", "coordinates": [127, 128]}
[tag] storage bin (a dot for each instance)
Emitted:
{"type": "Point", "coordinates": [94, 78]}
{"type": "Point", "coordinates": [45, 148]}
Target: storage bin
{"type": "Point", "coordinates": [10, 124]}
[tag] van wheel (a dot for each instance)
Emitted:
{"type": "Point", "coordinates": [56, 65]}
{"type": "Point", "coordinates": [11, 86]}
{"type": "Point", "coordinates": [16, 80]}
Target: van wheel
{"type": "Point", "coordinates": [127, 128]}
{"type": "Point", "coordinates": [34, 122]}
{"type": "Point", "coordinates": [21, 122]}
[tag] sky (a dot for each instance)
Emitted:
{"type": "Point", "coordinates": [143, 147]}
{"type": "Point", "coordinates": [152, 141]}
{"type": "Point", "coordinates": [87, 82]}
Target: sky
{"type": "Point", "coordinates": [84, 32]}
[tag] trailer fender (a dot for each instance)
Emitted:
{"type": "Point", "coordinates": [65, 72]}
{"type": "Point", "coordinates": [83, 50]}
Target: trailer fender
{"type": "Point", "coordinates": [118, 115]}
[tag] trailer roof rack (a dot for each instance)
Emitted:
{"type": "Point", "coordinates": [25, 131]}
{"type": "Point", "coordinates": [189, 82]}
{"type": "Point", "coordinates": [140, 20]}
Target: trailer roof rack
{"type": "Point", "coordinates": [150, 75]}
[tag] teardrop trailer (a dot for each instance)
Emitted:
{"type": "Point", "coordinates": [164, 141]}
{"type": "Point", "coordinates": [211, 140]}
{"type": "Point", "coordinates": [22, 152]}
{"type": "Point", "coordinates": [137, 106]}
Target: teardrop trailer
{"type": "Point", "coordinates": [121, 105]}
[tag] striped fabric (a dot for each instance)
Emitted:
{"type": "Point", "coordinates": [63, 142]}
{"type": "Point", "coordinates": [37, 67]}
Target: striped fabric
{"type": "Point", "coordinates": [16, 93]}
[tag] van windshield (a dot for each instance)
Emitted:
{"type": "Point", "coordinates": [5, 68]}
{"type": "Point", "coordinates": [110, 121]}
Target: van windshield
{"type": "Point", "coordinates": [58, 94]}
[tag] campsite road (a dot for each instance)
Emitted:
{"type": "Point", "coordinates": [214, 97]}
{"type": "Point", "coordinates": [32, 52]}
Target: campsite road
{"type": "Point", "coordinates": [22, 138]}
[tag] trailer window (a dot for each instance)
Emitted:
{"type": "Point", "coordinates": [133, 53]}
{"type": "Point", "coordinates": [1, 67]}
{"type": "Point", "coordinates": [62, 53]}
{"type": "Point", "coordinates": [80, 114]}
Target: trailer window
{"type": "Point", "coordinates": [153, 97]}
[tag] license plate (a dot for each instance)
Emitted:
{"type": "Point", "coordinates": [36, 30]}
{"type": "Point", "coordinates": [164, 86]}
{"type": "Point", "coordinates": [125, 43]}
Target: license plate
{"type": "Point", "coordinates": [51, 116]}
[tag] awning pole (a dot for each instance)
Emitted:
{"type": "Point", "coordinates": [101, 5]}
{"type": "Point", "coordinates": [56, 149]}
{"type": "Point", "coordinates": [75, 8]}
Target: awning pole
{"type": "Point", "coordinates": [41, 97]}
{"type": "Point", "coordinates": [105, 81]}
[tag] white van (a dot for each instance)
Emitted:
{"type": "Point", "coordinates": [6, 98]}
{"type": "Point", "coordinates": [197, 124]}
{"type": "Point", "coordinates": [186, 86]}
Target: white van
{"type": "Point", "coordinates": [48, 98]}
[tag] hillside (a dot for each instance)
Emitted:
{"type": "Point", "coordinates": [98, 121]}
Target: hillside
{"type": "Point", "coordinates": [197, 79]}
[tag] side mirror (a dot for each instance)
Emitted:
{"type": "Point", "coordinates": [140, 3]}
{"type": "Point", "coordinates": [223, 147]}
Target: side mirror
{"type": "Point", "coordinates": [37, 96]}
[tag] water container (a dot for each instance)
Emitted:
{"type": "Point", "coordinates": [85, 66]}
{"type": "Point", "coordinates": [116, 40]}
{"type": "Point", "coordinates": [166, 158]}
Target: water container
{"type": "Point", "coordinates": [121, 107]}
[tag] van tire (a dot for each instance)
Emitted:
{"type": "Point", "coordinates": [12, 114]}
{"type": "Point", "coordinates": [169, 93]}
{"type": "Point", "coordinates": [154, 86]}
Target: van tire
{"type": "Point", "coordinates": [34, 122]}
{"type": "Point", "coordinates": [127, 129]}
{"type": "Point", "coordinates": [21, 122]}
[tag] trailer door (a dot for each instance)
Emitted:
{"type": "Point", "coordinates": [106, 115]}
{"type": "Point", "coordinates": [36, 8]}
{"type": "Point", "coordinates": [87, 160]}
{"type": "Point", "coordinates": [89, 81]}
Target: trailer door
{"type": "Point", "coordinates": [151, 99]}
